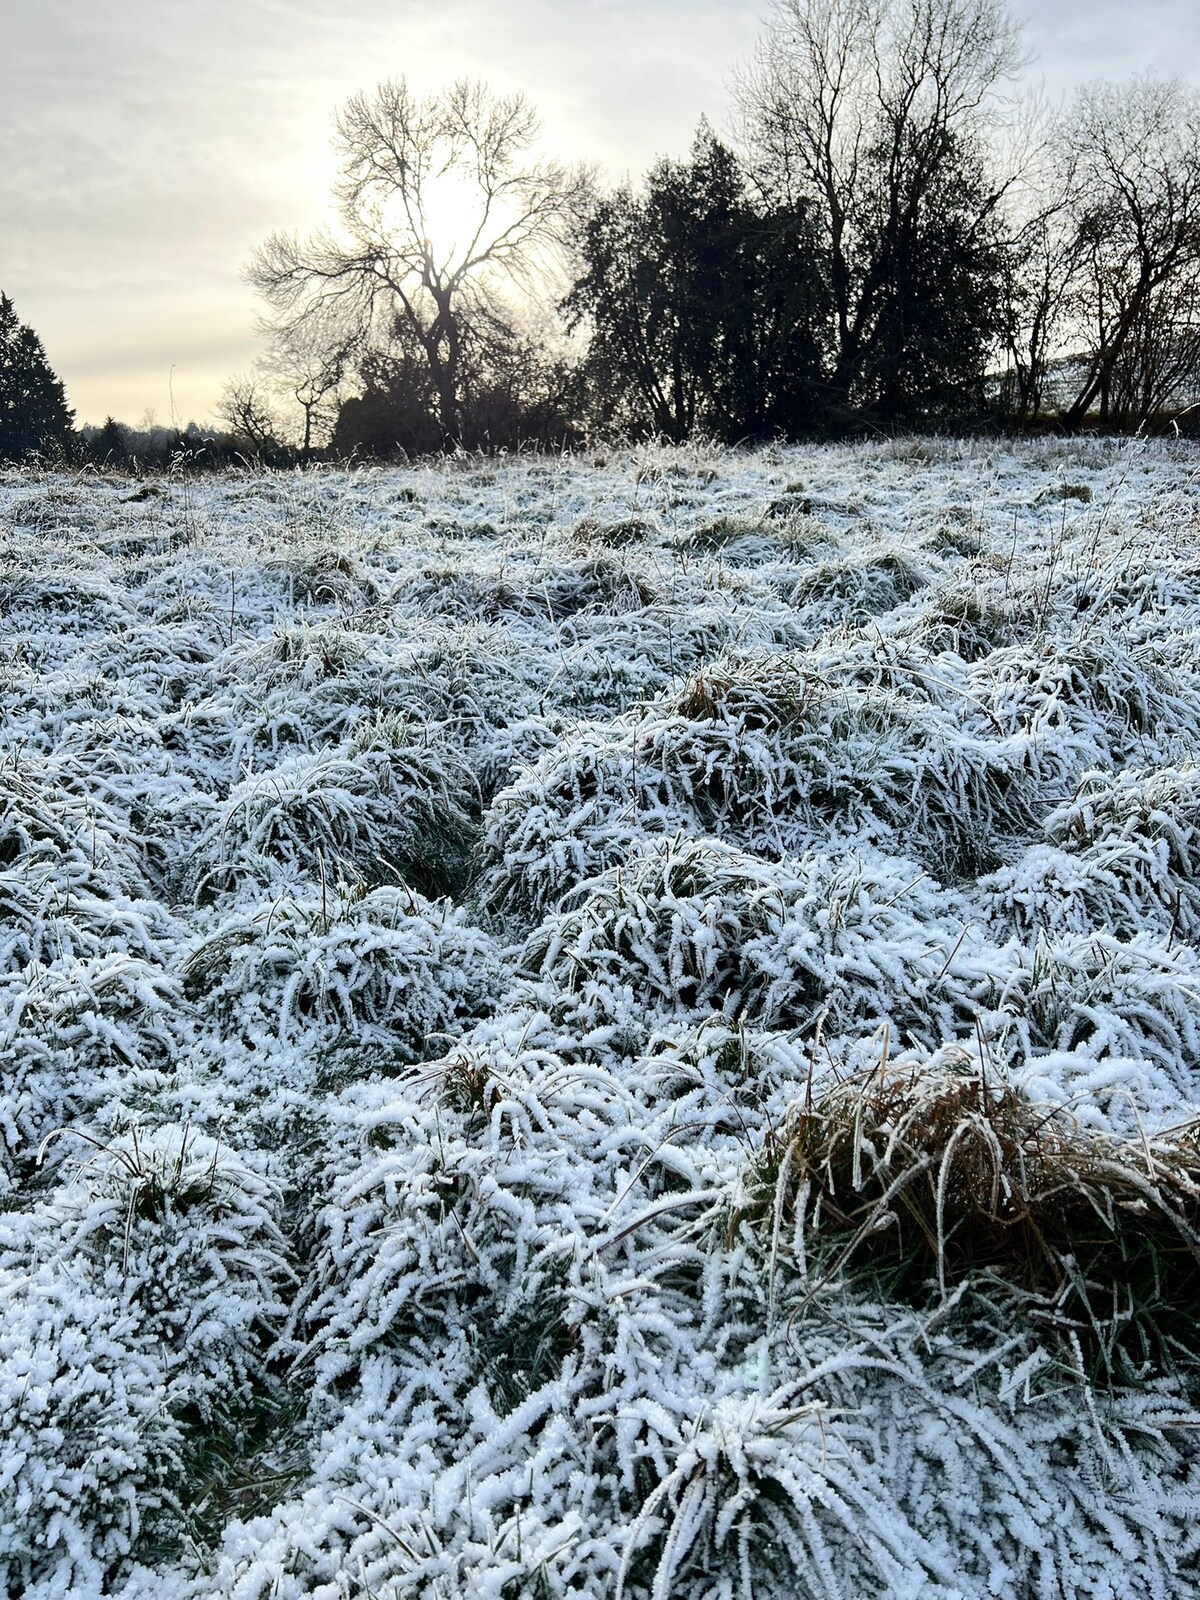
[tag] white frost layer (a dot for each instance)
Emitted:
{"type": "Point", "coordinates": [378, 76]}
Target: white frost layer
{"type": "Point", "coordinates": [422, 896]}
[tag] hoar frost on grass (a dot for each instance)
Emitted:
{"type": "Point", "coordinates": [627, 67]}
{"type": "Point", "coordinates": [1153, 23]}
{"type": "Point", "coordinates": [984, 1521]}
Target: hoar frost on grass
{"type": "Point", "coordinates": [614, 1026]}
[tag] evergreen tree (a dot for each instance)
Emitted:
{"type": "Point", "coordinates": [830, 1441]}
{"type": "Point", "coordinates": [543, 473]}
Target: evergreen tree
{"type": "Point", "coordinates": [702, 302]}
{"type": "Point", "coordinates": [935, 262]}
{"type": "Point", "coordinates": [110, 446]}
{"type": "Point", "coordinates": [34, 415]}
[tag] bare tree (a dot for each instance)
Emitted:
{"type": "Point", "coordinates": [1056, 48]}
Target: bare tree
{"type": "Point", "coordinates": [246, 410]}
{"type": "Point", "coordinates": [1038, 283]}
{"type": "Point", "coordinates": [1158, 368]}
{"type": "Point", "coordinates": [308, 361]}
{"type": "Point", "coordinates": [1042, 256]}
{"type": "Point", "coordinates": [860, 108]}
{"type": "Point", "coordinates": [442, 210]}
{"type": "Point", "coordinates": [1135, 223]}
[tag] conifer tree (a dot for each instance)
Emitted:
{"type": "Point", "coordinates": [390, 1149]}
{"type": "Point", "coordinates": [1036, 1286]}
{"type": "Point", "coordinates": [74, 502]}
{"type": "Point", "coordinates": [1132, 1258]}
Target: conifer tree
{"type": "Point", "coordinates": [703, 302]}
{"type": "Point", "coordinates": [34, 415]}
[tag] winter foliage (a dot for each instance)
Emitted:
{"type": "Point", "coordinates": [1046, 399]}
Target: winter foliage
{"type": "Point", "coordinates": [604, 1026]}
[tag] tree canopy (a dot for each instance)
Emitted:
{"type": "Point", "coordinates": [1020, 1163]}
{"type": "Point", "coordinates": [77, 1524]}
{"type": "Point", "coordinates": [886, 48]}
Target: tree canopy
{"type": "Point", "coordinates": [702, 302]}
{"type": "Point", "coordinates": [34, 415]}
{"type": "Point", "coordinates": [888, 236]}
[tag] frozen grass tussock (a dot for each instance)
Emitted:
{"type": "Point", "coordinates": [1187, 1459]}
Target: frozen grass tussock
{"type": "Point", "coordinates": [387, 964]}
{"type": "Point", "coordinates": [624, 1027]}
{"type": "Point", "coordinates": [693, 927]}
{"type": "Point", "coordinates": [374, 810]}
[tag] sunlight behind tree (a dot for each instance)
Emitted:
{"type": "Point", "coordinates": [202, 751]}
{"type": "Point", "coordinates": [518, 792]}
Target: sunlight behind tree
{"type": "Point", "coordinates": [445, 215]}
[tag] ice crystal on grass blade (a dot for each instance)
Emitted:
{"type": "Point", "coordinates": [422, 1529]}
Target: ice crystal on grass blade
{"type": "Point", "coordinates": [89, 1448]}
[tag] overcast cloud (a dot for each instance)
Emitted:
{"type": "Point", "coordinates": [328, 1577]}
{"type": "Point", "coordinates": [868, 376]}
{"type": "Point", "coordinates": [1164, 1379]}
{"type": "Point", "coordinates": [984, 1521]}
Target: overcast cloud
{"type": "Point", "coordinates": [146, 148]}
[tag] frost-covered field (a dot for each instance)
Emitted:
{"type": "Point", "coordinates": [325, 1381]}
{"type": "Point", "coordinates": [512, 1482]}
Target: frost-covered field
{"type": "Point", "coordinates": [604, 1027]}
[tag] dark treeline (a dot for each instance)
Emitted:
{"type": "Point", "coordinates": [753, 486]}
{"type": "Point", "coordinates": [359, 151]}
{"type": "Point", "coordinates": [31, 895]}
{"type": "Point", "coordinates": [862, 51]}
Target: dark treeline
{"type": "Point", "coordinates": [713, 309]}
{"type": "Point", "coordinates": [36, 422]}
{"type": "Point", "coordinates": [891, 238]}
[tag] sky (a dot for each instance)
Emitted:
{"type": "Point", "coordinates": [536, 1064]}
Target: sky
{"type": "Point", "coordinates": [146, 148]}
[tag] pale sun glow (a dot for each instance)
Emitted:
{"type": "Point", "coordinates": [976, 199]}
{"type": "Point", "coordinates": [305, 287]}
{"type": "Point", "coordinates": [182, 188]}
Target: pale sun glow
{"type": "Point", "coordinates": [453, 211]}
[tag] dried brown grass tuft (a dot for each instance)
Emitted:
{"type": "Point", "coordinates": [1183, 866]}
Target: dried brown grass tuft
{"type": "Point", "coordinates": [929, 1179]}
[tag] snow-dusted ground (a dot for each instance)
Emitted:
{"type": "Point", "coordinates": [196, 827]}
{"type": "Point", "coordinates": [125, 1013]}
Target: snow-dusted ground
{"type": "Point", "coordinates": [427, 897]}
